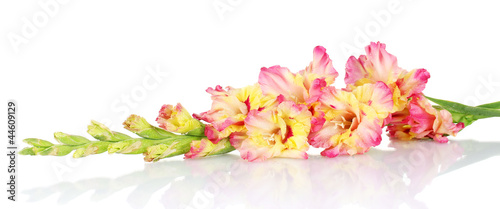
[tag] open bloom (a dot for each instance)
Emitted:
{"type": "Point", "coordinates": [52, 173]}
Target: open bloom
{"type": "Point", "coordinates": [420, 120]}
{"type": "Point", "coordinates": [176, 119]}
{"type": "Point", "coordinates": [278, 132]}
{"type": "Point", "coordinates": [352, 120]}
{"type": "Point", "coordinates": [379, 65]}
{"type": "Point", "coordinates": [303, 87]}
{"type": "Point", "coordinates": [230, 108]}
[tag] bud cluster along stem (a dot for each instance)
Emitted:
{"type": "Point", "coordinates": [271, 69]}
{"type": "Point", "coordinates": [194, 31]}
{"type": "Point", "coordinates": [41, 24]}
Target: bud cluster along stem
{"type": "Point", "coordinates": [154, 142]}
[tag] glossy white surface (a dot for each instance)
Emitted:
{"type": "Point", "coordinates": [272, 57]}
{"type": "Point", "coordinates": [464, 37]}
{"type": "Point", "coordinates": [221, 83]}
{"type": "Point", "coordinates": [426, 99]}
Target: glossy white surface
{"type": "Point", "coordinates": [421, 174]}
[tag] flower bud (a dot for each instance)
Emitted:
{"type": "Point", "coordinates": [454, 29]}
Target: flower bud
{"type": "Point", "coordinates": [177, 119]}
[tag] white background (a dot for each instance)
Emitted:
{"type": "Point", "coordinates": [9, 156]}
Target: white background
{"type": "Point", "coordinates": [93, 60]}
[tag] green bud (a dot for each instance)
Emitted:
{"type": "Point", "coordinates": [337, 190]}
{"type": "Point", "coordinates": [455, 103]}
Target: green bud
{"type": "Point", "coordinates": [91, 149]}
{"type": "Point", "coordinates": [100, 132]}
{"type": "Point", "coordinates": [134, 146]}
{"type": "Point", "coordinates": [27, 151]}
{"type": "Point", "coordinates": [57, 150]}
{"type": "Point", "coordinates": [154, 152]}
{"type": "Point", "coordinates": [224, 146]}
{"type": "Point", "coordinates": [173, 148]}
{"type": "Point", "coordinates": [37, 142]}
{"type": "Point", "coordinates": [141, 127]}
{"type": "Point", "coordinates": [118, 146]}
{"type": "Point", "coordinates": [205, 147]}
{"type": "Point", "coordinates": [70, 139]}
{"type": "Point", "coordinates": [80, 152]}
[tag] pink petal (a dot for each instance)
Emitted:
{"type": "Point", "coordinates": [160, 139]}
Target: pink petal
{"type": "Point", "coordinates": [315, 91]}
{"type": "Point", "coordinates": [354, 70]}
{"type": "Point", "coordinates": [260, 121]}
{"type": "Point", "coordinates": [384, 65]}
{"type": "Point", "coordinates": [377, 95]}
{"type": "Point", "coordinates": [369, 133]}
{"type": "Point", "coordinates": [321, 138]}
{"type": "Point", "coordinates": [320, 67]}
{"type": "Point", "coordinates": [377, 65]}
{"type": "Point", "coordinates": [413, 82]}
{"type": "Point", "coordinates": [278, 80]}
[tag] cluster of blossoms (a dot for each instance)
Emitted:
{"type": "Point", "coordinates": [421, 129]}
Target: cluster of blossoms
{"type": "Point", "coordinates": [285, 112]}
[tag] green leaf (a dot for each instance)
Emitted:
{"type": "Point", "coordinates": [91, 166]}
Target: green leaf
{"type": "Point", "coordinates": [493, 105]}
{"type": "Point", "coordinates": [70, 139]}
{"type": "Point", "coordinates": [37, 142]}
{"type": "Point", "coordinates": [476, 112]}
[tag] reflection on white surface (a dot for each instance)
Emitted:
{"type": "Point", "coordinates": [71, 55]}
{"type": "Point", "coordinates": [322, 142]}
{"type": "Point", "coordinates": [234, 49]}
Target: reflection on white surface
{"type": "Point", "coordinates": [385, 179]}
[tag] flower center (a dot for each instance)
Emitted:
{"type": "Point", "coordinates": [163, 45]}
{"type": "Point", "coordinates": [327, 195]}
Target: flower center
{"type": "Point", "coordinates": [346, 121]}
{"type": "Point", "coordinates": [277, 135]}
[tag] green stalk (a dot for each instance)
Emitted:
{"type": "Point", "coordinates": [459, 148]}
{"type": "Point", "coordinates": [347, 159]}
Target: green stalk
{"type": "Point", "coordinates": [467, 114]}
{"type": "Point", "coordinates": [155, 143]}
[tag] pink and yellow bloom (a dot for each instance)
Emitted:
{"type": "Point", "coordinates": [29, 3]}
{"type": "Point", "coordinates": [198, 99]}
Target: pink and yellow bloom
{"type": "Point", "coordinates": [176, 119]}
{"type": "Point", "coordinates": [278, 132]}
{"type": "Point", "coordinates": [230, 108]}
{"type": "Point", "coordinates": [352, 120]}
{"type": "Point", "coordinates": [303, 87]}
{"type": "Point", "coordinates": [379, 65]}
{"type": "Point", "coordinates": [420, 120]}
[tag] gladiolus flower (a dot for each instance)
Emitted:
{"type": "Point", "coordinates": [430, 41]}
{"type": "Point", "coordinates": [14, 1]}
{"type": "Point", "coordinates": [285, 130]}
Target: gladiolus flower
{"type": "Point", "coordinates": [176, 119]}
{"type": "Point", "coordinates": [230, 108]}
{"type": "Point", "coordinates": [420, 120]}
{"type": "Point", "coordinates": [379, 65]}
{"type": "Point", "coordinates": [351, 120]}
{"type": "Point", "coordinates": [279, 132]}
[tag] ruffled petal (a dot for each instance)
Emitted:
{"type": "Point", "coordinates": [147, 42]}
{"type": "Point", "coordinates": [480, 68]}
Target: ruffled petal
{"type": "Point", "coordinates": [377, 96]}
{"type": "Point", "coordinates": [316, 90]}
{"type": "Point", "coordinates": [355, 71]}
{"type": "Point", "coordinates": [369, 135]}
{"type": "Point", "coordinates": [278, 80]}
{"type": "Point", "coordinates": [377, 65]}
{"type": "Point", "coordinates": [413, 82]}
{"type": "Point", "coordinates": [321, 137]}
{"type": "Point", "coordinates": [320, 67]}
